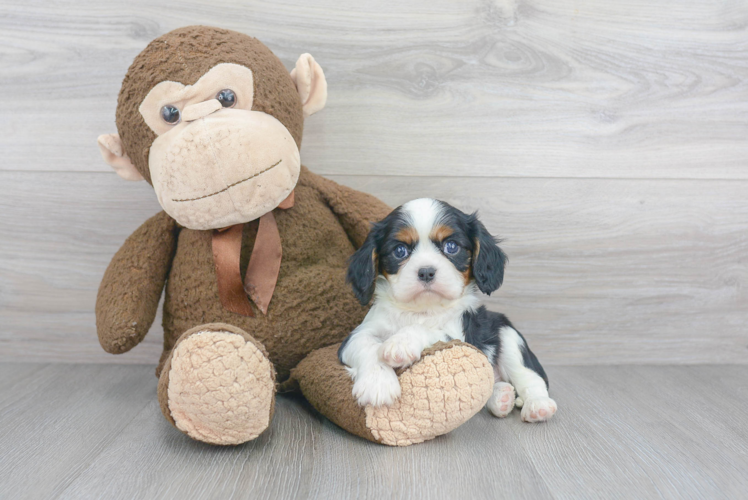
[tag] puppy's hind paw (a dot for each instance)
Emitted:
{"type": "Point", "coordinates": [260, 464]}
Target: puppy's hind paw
{"type": "Point", "coordinates": [377, 386]}
{"type": "Point", "coordinates": [538, 409]}
{"type": "Point", "coordinates": [501, 402]}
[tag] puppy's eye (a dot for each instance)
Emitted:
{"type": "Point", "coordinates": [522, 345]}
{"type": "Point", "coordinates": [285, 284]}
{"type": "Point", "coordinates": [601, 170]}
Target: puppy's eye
{"type": "Point", "coordinates": [227, 98]}
{"type": "Point", "coordinates": [400, 252]}
{"type": "Point", "coordinates": [170, 114]}
{"type": "Point", "coordinates": [451, 248]}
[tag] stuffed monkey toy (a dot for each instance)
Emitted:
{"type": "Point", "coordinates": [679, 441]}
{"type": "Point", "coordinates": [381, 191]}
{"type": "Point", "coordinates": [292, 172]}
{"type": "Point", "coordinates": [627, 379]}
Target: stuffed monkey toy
{"type": "Point", "coordinates": [251, 251]}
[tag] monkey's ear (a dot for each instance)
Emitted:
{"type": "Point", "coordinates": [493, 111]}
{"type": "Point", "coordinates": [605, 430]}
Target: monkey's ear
{"type": "Point", "coordinates": [112, 152]}
{"type": "Point", "coordinates": [311, 83]}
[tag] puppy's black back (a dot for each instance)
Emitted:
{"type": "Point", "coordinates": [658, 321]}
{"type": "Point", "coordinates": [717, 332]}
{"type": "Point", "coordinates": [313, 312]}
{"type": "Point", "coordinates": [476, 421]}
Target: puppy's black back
{"type": "Point", "coordinates": [481, 328]}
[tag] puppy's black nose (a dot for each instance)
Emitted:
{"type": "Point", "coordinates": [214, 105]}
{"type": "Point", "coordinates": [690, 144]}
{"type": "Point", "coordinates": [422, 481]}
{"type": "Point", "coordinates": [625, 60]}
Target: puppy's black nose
{"type": "Point", "coordinates": [426, 274]}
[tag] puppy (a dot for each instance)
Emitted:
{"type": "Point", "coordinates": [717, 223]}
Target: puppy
{"type": "Point", "coordinates": [424, 265]}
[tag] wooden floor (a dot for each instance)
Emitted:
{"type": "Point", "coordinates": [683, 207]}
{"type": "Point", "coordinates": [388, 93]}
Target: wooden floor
{"type": "Point", "coordinates": [95, 431]}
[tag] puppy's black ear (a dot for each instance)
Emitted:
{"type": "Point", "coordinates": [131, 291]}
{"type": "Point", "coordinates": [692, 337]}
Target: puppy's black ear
{"type": "Point", "coordinates": [488, 259]}
{"type": "Point", "coordinates": [362, 268]}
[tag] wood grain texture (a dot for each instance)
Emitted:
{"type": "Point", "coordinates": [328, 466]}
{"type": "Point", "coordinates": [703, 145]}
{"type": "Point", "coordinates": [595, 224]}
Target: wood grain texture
{"type": "Point", "coordinates": [517, 88]}
{"type": "Point", "coordinates": [55, 420]}
{"type": "Point", "coordinates": [605, 142]}
{"type": "Point", "coordinates": [83, 431]}
{"type": "Point", "coordinates": [600, 270]}
{"type": "Point", "coordinates": [639, 423]}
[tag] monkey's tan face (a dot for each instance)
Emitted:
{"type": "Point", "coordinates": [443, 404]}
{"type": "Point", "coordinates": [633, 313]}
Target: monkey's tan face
{"type": "Point", "coordinates": [215, 162]}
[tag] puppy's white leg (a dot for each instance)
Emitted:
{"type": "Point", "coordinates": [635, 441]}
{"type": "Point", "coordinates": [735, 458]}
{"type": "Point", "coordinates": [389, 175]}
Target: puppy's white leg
{"type": "Point", "coordinates": [532, 392]}
{"type": "Point", "coordinates": [376, 385]}
{"type": "Point", "coordinates": [404, 348]}
{"type": "Point", "coordinates": [374, 382]}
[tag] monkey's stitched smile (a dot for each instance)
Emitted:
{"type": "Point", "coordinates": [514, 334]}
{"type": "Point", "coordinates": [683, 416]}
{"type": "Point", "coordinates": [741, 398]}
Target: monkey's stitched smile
{"type": "Point", "coordinates": [230, 185]}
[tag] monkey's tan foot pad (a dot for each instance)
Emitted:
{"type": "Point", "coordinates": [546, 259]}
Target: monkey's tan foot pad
{"type": "Point", "coordinates": [219, 386]}
{"type": "Point", "coordinates": [448, 385]}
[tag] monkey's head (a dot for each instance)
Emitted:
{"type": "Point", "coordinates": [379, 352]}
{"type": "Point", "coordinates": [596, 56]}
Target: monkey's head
{"type": "Point", "coordinates": [212, 119]}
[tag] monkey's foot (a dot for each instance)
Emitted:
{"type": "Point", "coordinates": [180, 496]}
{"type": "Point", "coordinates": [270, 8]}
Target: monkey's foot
{"type": "Point", "coordinates": [218, 385]}
{"type": "Point", "coordinates": [448, 385]}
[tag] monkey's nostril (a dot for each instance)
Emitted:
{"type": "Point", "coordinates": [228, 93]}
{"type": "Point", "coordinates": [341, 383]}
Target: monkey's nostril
{"type": "Point", "coordinates": [426, 274]}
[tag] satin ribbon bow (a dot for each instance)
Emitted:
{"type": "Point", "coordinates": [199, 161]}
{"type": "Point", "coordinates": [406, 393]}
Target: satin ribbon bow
{"type": "Point", "coordinates": [262, 271]}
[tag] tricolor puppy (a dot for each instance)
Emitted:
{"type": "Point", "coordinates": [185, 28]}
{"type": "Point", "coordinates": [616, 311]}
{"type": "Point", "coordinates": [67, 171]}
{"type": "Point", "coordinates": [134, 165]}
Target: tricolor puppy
{"type": "Point", "coordinates": [424, 265]}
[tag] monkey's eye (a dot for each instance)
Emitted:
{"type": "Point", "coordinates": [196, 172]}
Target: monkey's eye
{"type": "Point", "coordinates": [170, 114]}
{"type": "Point", "coordinates": [400, 252]}
{"type": "Point", "coordinates": [227, 98]}
{"type": "Point", "coordinates": [451, 248]}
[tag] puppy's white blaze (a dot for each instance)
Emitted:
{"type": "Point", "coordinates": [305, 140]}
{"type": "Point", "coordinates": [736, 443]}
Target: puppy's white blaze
{"type": "Point", "coordinates": [422, 214]}
{"type": "Point", "coordinates": [529, 385]}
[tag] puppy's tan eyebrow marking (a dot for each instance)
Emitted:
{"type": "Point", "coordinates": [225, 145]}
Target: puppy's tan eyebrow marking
{"type": "Point", "coordinates": [441, 232]}
{"type": "Point", "coordinates": [232, 185]}
{"type": "Point", "coordinates": [407, 235]}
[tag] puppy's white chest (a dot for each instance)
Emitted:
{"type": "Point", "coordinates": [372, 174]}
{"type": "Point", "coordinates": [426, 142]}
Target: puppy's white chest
{"type": "Point", "coordinates": [444, 326]}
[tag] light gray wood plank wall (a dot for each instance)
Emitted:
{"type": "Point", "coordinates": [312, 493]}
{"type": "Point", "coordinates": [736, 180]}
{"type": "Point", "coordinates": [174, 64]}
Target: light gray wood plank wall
{"type": "Point", "coordinates": [600, 270]}
{"type": "Point", "coordinates": [511, 88]}
{"type": "Point", "coordinates": [605, 142]}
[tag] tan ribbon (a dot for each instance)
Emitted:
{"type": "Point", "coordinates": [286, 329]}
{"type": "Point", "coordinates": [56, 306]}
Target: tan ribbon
{"type": "Point", "coordinates": [226, 258]}
{"type": "Point", "coordinates": [262, 271]}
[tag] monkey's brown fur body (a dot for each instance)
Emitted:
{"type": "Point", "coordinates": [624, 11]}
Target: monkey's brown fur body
{"type": "Point", "coordinates": [219, 370]}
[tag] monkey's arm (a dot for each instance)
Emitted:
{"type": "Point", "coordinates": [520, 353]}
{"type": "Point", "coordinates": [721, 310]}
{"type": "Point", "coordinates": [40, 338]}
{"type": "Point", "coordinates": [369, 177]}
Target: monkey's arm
{"type": "Point", "coordinates": [132, 285]}
{"type": "Point", "coordinates": [355, 210]}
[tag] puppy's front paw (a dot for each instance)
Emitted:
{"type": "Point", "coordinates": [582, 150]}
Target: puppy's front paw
{"type": "Point", "coordinates": [501, 402]}
{"type": "Point", "coordinates": [376, 386]}
{"type": "Point", "coordinates": [538, 409]}
{"type": "Point", "coordinates": [399, 351]}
